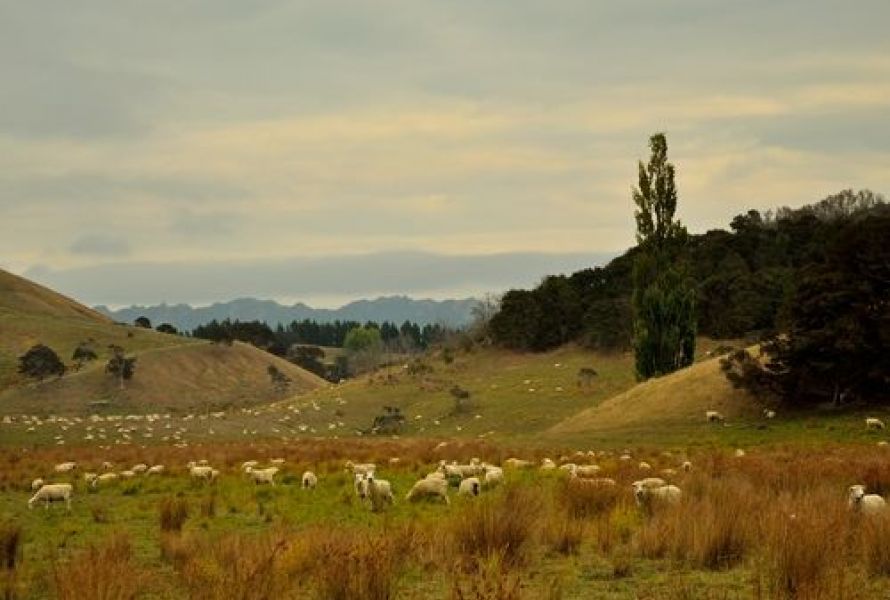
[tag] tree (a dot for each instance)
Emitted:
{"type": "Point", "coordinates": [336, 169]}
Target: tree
{"type": "Point", "coordinates": [280, 381]}
{"type": "Point", "coordinates": [167, 328]}
{"type": "Point", "coordinates": [364, 347]}
{"type": "Point", "coordinates": [143, 322]}
{"type": "Point", "coordinates": [308, 357]}
{"type": "Point", "coordinates": [663, 300]}
{"type": "Point", "coordinates": [83, 354]}
{"type": "Point", "coordinates": [119, 365]}
{"type": "Point", "coordinates": [41, 361]}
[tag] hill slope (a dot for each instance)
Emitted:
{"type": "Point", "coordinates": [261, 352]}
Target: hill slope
{"type": "Point", "coordinates": [171, 371]}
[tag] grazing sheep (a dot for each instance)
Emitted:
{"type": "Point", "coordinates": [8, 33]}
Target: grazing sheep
{"type": "Point", "coordinates": [649, 482]}
{"type": "Point", "coordinates": [469, 487]}
{"type": "Point", "coordinates": [277, 462]}
{"type": "Point", "coordinates": [104, 478]}
{"type": "Point", "coordinates": [867, 504]}
{"type": "Point", "coordinates": [686, 466]}
{"type": "Point", "coordinates": [107, 466]}
{"type": "Point", "coordinates": [263, 475]}
{"type": "Point", "coordinates": [310, 480]}
{"type": "Point", "coordinates": [249, 464]}
{"type": "Point", "coordinates": [769, 414]}
{"type": "Point", "coordinates": [37, 484]}
{"type": "Point", "coordinates": [644, 466]}
{"type": "Point", "coordinates": [53, 492]}
{"type": "Point", "coordinates": [647, 495]}
{"type": "Point", "coordinates": [714, 417]}
{"type": "Point", "coordinates": [518, 463]}
{"type": "Point", "coordinates": [378, 491]}
{"type": "Point", "coordinates": [547, 465]}
{"type": "Point", "coordinates": [595, 482]}
{"type": "Point", "coordinates": [585, 471]}
{"type": "Point", "coordinates": [428, 488]}
{"type": "Point", "coordinates": [65, 467]}
{"type": "Point", "coordinates": [873, 423]}
{"type": "Point", "coordinates": [461, 471]}
{"type": "Point", "coordinates": [140, 468]}
{"type": "Point", "coordinates": [362, 468]}
{"type": "Point", "coordinates": [202, 472]}
{"type": "Point", "coordinates": [127, 474]}
{"type": "Point", "coordinates": [89, 478]}
{"type": "Point", "coordinates": [493, 475]}
{"type": "Point", "coordinates": [155, 470]}
{"type": "Point", "coordinates": [739, 453]}
{"type": "Point", "coordinates": [668, 472]}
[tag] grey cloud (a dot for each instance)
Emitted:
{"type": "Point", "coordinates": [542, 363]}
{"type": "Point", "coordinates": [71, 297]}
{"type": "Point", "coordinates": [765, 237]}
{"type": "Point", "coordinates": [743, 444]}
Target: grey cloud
{"type": "Point", "coordinates": [99, 244]}
{"type": "Point", "coordinates": [353, 276]}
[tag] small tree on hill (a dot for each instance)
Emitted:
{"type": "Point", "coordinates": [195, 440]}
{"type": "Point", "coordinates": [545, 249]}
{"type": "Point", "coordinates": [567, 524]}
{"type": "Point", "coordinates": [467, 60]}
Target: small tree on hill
{"type": "Point", "coordinates": [119, 365]}
{"type": "Point", "coordinates": [167, 328]}
{"type": "Point", "coordinates": [41, 361]}
{"type": "Point", "coordinates": [143, 322]}
{"type": "Point", "coordinates": [663, 300]}
{"type": "Point", "coordinates": [83, 354]}
{"type": "Point", "coordinates": [280, 381]}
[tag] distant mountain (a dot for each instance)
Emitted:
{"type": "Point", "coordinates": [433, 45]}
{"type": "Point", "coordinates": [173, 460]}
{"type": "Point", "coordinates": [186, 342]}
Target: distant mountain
{"type": "Point", "coordinates": [396, 309]}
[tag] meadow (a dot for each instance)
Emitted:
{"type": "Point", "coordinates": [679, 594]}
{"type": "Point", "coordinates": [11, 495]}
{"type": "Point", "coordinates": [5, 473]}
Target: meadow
{"type": "Point", "coordinates": [771, 524]}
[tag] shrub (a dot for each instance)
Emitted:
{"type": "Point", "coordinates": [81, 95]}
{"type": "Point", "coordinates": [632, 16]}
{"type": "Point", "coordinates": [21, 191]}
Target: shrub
{"type": "Point", "coordinates": [105, 571]}
{"type": "Point", "coordinates": [582, 499]}
{"type": "Point", "coordinates": [173, 513]}
{"type": "Point", "coordinates": [41, 361]}
{"type": "Point", "coordinates": [490, 581]}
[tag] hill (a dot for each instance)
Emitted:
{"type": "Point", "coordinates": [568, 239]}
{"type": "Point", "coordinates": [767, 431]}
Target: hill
{"type": "Point", "coordinates": [172, 372]}
{"type": "Point", "coordinates": [395, 309]}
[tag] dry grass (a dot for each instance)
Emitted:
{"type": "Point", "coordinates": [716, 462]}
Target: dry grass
{"type": "Point", "coordinates": [101, 572]}
{"type": "Point", "coordinates": [173, 512]}
{"type": "Point", "coordinates": [10, 545]}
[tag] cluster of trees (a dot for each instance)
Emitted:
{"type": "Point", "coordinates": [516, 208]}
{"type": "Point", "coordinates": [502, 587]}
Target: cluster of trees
{"type": "Point", "coordinates": [40, 361]}
{"type": "Point", "coordinates": [742, 279]}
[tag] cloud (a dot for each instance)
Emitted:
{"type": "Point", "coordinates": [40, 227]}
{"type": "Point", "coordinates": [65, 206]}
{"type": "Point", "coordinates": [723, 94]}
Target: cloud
{"type": "Point", "coordinates": [101, 245]}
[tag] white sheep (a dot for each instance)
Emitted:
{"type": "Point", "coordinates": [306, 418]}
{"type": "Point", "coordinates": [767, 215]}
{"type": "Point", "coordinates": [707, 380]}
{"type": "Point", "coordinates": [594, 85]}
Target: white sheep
{"type": "Point", "coordinates": [53, 492]}
{"type": "Point", "coordinates": [493, 475]}
{"type": "Point", "coordinates": [867, 504]}
{"type": "Point", "coordinates": [714, 417]}
{"type": "Point", "coordinates": [436, 475]}
{"type": "Point", "coordinates": [249, 464]}
{"type": "Point", "coordinates": [127, 474]}
{"type": "Point", "coordinates": [769, 414]}
{"type": "Point", "coordinates": [37, 484]}
{"type": "Point", "coordinates": [104, 478]}
{"type": "Point", "coordinates": [277, 462]}
{"type": "Point", "coordinates": [155, 470]}
{"type": "Point", "coordinates": [361, 468]}
{"type": "Point", "coordinates": [644, 466]}
{"type": "Point", "coordinates": [140, 468]}
{"type": "Point", "coordinates": [649, 482]}
{"type": "Point", "coordinates": [874, 423]}
{"type": "Point", "coordinates": [65, 467]}
{"type": "Point", "coordinates": [310, 480]}
{"type": "Point", "coordinates": [89, 478]}
{"type": "Point", "coordinates": [428, 488]}
{"type": "Point", "coordinates": [107, 466]}
{"type": "Point", "coordinates": [469, 487]}
{"type": "Point", "coordinates": [739, 453]}
{"type": "Point", "coordinates": [686, 466]}
{"type": "Point", "coordinates": [263, 475]}
{"type": "Point", "coordinates": [585, 471]}
{"type": "Point", "coordinates": [378, 491]}
{"type": "Point", "coordinates": [547, 465]}
{"type": "Point", "coordinates": [646, 495]}
{"type": "Point", "coordinates": [202, 472]}
{"type": "Point", "coordinates": [518, 463]}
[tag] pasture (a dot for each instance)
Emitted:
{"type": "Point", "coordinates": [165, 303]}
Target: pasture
{"type": "Point", "coordinates": [774, 523]}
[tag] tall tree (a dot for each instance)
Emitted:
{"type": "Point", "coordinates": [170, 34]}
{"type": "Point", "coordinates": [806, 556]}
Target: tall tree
{"type": "Point", "coordinates": [663, 299]}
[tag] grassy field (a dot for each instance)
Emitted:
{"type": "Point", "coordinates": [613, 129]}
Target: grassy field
{"type": "Point", "coordinates": [772, 524]}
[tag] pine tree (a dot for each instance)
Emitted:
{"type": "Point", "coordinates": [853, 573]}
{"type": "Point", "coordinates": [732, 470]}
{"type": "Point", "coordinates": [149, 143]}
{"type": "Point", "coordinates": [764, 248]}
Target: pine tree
{"type": "Point", "coordinates": [663, 300]}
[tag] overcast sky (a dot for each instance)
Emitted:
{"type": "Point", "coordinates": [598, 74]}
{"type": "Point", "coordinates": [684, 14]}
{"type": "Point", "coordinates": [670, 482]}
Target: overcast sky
{"type": "Point", "coordinates": [149, 147]}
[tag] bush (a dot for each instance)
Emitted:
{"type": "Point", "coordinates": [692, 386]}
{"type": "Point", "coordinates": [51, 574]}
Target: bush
{"type": "Point", "coordinates": [41, 361]}
{"type": "Point", "coordinates": [173, 513]}
{"type": "Point", "coordinates": [106, 571]}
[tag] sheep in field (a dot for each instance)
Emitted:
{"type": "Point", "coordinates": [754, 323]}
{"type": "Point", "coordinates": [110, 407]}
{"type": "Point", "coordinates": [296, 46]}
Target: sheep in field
{"type": "Point", "coordinates": [429, 488]}
{"type": "Point", "coordinates": [714, 417]}
{"type": "Point", "coordinates": [874, 423]}
{"type": "Point", "coordinates": [378, 491]}
{"type": "Point", "coordinates": [65, 467]}
{"type": "Point", "coordinates": [646, 496]}
{"type": "Point", "coordinates": [469, 487]}
{"type": "Point", "coordinates": [310, 480]}
{"type": "Point", "coordinates": [53, 492]}
{"type": "Point", "coordinates": [867, 504]}
{"type": "Point", "coordinates": [263, 475]}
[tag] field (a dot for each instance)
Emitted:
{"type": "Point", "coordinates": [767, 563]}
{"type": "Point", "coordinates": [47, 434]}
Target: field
{"type": "Point", "coordinates": [771, 524]}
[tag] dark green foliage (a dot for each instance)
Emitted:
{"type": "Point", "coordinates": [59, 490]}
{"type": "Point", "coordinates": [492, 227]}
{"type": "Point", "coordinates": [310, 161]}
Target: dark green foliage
{"type": "Point", "coordinates": [390, 422]}
{"type": "Point", "coordinates": [280, 381]}
{"type": "Point", "coordinates": [41, 361]}
{"type": "Point", "coordinates": [835, 340]}
{"type": "Point", "coordinates": [308, 357]}
{"type": "Point", "coordinates": [84, 353]}
{"type": "Point", "coordinates": [663, 299]}
{"type": "Point", "coordinates": [119, 365]}
{"type": "Point", "coordinates": [142, 322]}
{"type": "Point", "coordinates": [167, 328]}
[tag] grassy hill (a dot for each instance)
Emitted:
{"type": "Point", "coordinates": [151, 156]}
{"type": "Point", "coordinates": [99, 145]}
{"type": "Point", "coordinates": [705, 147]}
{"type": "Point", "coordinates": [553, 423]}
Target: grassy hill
{"type": "Point", "coordinates": [172, 372]}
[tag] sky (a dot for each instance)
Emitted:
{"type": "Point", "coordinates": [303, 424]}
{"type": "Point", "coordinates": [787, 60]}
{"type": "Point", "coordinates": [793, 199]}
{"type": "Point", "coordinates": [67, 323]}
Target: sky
{"type": "Point", "coordinates": [322, 151]}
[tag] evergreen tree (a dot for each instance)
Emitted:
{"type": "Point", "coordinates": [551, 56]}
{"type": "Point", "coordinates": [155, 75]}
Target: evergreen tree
{"type": "Point", "coordinates": [663, 301]}
{"type": "Point", "coordinates": [41, 361]}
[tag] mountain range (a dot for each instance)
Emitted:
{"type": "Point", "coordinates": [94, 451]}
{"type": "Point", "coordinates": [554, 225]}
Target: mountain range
{"type": "Point", "coordinates": [396, 309]}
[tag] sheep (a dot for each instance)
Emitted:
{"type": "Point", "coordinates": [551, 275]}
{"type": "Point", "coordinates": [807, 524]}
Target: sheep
{"type": "Point", "coordinates": [428, 488]}
{"type": "Point", "coordinates": [594, 482]}
{"type": "Point", "coordinates": [53, 492]}
{"type": "Point", "coordinates": [89, 478]}
{"type": "Point", "coordinates": [739, 453]}
{"type": "Point", "coordinates": [469, 487]}
{"type": "Point", "coordinates": [361, 468]}
{"type": "Point", "coordinates": [103, 478]}
{"type": "Point", "coordinates": [203, 472]}
{"type": "Point", "coordinates": [378, 491]}
{"type": "Point", "coordinates": [37, 484]}
{"type": "Point", "coordinates": [65, 467]}
{"type": "Point", "coordinates": [140, 468]}
{"type": "Point", "coordinates": [155, 470]}
{"type": "Point", "coordinates": [277, 462]}
{"type": "Point", "coordinates": [649, 482]}
{"type": "Point", "coordinates": [644, 466]}
{"type": "Point", "coordinates": [436, 475]}
{"type": "Point", "coordinates": [263, 475]}
{"type": "Point", "coordinates": [874, 423]}
{"type": "Point", "coordinates": [309, 480]}
{"type": "Point", "coordinates": [686, 466]}
{"type": "Point", "coordinates": [714, 417]}
{"type": "Point", "coordinates": [107, 466]}
{"type": "Point", "coordinates": [518, 463]}
{"type": "Point", "coordinates": [547, 465]}
{"type": "Point", "coordinates": [868, 504]}
{"type": "Point", "coordinates": [127, 474]}
{"type": "Point", "coordinates": [461, 471]}
{"type": "Point", "coordinates": [585, 471]}
{"type": "Point", "coordinates": [493, 476]}
{"type": "Point", "coordinates": [647, 495]}
{"type": "Point", "coordinates": [769, 414]}
{"type": "Point", "coordinates": [249, 464]}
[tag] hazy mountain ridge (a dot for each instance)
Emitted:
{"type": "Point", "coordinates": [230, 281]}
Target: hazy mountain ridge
{"type": "Point", "coordinates": [396, 309]}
